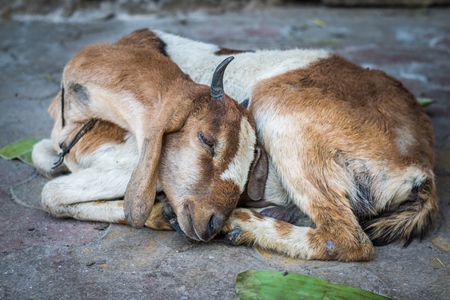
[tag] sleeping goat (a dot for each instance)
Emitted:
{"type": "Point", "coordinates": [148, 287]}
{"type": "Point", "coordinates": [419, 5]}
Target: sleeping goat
{"type": "Point", "coordinates": [349, 147]}
{"type": "Point", "coordinates": [128, 123]}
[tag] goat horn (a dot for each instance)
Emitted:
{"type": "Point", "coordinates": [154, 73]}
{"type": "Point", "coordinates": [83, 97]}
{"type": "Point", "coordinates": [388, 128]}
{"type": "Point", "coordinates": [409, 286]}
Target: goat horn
{"type": "Point", "coordinates": [217, 81]}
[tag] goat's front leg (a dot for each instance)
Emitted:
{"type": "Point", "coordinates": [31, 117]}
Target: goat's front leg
{"type": "Point", "coordinates": [91, 194]}
{"type": "Point", "coordinates": [247, 227]}
{"type": "Point", "coordinates": [96, 194]}
{"type": "Point", "coordinates": [331, 240]}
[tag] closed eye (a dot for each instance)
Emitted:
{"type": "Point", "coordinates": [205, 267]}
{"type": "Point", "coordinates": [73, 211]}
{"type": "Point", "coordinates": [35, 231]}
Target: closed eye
{"type": "Point", "coordinates": [208, 142]}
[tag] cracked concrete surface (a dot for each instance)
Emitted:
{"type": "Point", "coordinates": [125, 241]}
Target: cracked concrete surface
{"type": "Point", "coordinates": [44, 257]}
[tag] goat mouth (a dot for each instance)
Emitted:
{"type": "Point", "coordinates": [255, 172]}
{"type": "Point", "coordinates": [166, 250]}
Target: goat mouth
{"type": "Point", "coordinates": [193, 229]}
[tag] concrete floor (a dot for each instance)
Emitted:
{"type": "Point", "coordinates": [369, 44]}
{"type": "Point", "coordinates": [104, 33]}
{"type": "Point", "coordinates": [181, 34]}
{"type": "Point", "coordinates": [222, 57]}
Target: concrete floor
{"type": "Point", "coordinates": [45, 258]}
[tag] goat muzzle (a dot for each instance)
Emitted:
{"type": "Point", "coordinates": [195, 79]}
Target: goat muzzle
{"type": "Point", "coordinates": [200, 226]}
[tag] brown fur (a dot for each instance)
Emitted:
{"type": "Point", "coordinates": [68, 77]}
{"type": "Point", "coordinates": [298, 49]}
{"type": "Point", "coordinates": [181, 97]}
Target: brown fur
{"type": "Point", "coordinates": [143, 38]}
{"type": "Point", "coordinates": [338, 87]}
{"type": "Point", "coordinates": [227, 51]}
{"type": "Point", "coordinates": [257, 216]}
{"type": "Point", "coordinates": [115, 135]}
{"type": "Point", "coordinates": [283, 229]}
{"type": "Point", "coordinates": [123, 222]}
{"type": "Point", "coordinates": [243, 216]}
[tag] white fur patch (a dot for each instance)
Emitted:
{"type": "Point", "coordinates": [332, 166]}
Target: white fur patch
{"type": "Point", "coordinates": [284, 182]}
{"type": "Point", "coordinates": [237, 170]}
{"type": "Point", "coordinates": [198, 60]}
{"type": "Point", "coordinates": [405, 140]}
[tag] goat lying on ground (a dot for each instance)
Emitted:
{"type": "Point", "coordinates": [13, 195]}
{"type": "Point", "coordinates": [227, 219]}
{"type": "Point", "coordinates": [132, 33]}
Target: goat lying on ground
{"type": "Point", "coordinates": [348, 146]}
{"type": "Point", "coordinates": [135, 120]}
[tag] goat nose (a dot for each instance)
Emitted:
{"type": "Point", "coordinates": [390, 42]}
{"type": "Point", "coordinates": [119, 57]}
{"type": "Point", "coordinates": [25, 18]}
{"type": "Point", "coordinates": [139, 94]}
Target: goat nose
{"type": "Point", "coordinates": [216, 223]}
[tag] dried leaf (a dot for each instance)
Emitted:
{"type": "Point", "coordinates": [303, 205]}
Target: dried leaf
{"type": "Point", "coordinates": [441, 243]}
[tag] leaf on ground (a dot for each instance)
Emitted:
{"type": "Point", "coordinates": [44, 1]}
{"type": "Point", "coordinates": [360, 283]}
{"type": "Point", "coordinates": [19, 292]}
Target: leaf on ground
{"type": "Point", "coordinates": [48, 77]}
{"type": "Point", "coordinates": [319, 22]}
{"type": "Point", "coordinates": [425, 101]}
{"type": "Point", "coordinates": [255, 284]}
{"type": "Point", "coordinates": [20, 150]}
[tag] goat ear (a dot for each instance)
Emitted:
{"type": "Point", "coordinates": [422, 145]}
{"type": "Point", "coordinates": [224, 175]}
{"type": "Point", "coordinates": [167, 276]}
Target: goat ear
{"type": "Point", "coordinates": [258, 174]}
{"type": "Point", "coordinates": [54, 109]}
{"type": "Point", "coordinates": [141, 190]}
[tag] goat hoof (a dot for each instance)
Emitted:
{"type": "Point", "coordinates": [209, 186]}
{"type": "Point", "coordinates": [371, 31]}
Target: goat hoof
{"type": "Point", "coordinates": [161, 197]}
{"type": "Point", "coordinates": [169, 214]}
{"type": "Point", "coordinates": [233, 236]}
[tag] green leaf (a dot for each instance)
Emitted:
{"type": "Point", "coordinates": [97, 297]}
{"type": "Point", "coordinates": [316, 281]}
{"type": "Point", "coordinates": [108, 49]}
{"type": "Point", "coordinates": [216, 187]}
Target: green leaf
{"type": "Point", "coordinates": [425, 101]}
{"type": "Point", "coordinates": [255, 284]}
{"type": "Point", "coordinates": [319, 22]}
{"type": "Point", "coordinates": [48, 77]}
{"type": "Point", "coordinates": [20, 150]}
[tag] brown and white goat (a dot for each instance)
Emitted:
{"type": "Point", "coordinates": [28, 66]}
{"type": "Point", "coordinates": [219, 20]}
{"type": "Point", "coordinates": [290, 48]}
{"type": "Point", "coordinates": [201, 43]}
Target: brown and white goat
{"type": "Point", "coordinates": [131, 123]}
{"type": "Point", "coordinates": [348, 146]}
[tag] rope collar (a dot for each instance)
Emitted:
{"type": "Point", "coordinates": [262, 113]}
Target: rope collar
{"type": "Point", "coordinates": [83, 130]}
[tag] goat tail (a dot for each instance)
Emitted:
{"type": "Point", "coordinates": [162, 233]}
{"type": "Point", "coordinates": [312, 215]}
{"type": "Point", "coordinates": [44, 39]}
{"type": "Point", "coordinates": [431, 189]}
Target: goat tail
{"type": "Point", "coordinates": [413, 218]}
